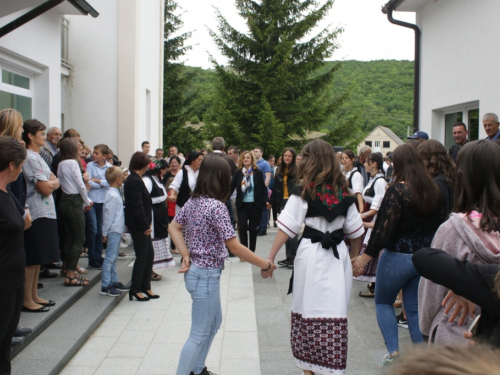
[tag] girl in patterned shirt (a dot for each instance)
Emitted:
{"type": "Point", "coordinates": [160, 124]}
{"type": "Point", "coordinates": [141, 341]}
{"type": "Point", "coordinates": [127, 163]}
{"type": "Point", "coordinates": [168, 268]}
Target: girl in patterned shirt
{"type": "Point", "coordinates": [201, 231]}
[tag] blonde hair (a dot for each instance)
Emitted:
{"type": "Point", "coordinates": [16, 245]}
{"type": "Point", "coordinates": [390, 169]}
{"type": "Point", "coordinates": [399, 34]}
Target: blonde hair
{"type": "Point", "coordinates": [449, 360]}
{"type": "Point", "coordinates": [10, 122]}
{"type": "Point", "coordinates": [320, 167]}
{"type": "Point", "coordinates": [112, 173]}
{"type": "Point", "coordinates": [254, 162]}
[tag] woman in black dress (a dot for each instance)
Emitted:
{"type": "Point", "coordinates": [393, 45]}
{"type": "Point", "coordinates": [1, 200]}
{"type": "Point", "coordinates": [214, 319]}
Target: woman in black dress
{"type": "Point", "coordinates": [12, 258]}
{"type": "Point", "coordinates": [138, 218]}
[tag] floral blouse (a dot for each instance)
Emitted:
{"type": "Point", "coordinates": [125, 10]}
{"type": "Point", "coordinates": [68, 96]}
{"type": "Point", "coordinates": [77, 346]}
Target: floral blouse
{"type": "Point", "coordinates": [206, 226]}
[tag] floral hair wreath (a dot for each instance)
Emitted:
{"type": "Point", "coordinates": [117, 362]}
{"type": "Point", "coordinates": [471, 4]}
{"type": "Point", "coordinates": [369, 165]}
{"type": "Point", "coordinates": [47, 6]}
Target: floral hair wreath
{"type": "Point", "coordinates": [157, 165]}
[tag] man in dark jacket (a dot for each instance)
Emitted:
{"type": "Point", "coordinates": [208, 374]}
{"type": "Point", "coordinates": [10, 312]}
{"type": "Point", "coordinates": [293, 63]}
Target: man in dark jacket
{"type": "Point", "coordinates": [460, 135]}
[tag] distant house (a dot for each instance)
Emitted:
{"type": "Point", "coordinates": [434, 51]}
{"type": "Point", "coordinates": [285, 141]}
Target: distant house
{"type": "Point", "coordinates": [381, 139]}
{"type": "Point", "coordinates": [101, 75]}
{"type": "Point", "coordinates": [459, 77]}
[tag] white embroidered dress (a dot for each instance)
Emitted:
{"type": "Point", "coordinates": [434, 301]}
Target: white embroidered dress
{"type": "Point", "coordinates": [321, 289]}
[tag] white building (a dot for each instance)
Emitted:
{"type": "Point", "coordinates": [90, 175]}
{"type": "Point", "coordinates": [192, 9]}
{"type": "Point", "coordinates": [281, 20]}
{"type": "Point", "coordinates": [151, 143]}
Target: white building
{"type": "Point", "coordinates": [102, 76]}
{"type": "Point", "coordinates": [459, 69]}
{"type": "Point", "coordinates": [381, 139]}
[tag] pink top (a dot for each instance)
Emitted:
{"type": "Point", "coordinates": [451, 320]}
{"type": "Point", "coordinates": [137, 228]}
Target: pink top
{"type": "Point", "coordinates": [206, 226]}
{"type": "Point", "coordinates": [490, 240]}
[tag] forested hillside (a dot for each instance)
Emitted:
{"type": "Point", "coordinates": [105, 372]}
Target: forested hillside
{"type": "Point", "coordinates": [381, 93]}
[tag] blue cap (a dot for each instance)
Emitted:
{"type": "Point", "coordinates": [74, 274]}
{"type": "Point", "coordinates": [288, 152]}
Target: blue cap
{"type": "Point", "coordinates": [421, 135]}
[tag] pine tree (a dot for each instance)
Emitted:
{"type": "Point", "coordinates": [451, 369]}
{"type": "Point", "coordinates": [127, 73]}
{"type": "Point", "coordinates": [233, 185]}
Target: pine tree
{"type": "Point", "coordinates": [176, 103]}
{"type": "Point", "coordinates": [273, 88]}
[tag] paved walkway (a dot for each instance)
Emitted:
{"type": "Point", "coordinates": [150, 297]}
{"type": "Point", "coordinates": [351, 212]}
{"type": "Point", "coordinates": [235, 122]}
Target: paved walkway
{"type": "Point", "coordinates": [147, 337]}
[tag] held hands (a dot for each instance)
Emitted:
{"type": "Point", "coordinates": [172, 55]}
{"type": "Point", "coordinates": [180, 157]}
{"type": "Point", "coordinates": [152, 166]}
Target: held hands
{"type": "Point", "coordinates": [461, 305]}
{"type": "Point", "coordinates": [147, 232]}
{"type": "Point", "coordinates": [359, 263]}
{"type": "Point", "coordinates": [269, 273]}
{"type": "Point", "coordinates": [104, 238]}
{"type": "Point", "coordinates": [186, 263]}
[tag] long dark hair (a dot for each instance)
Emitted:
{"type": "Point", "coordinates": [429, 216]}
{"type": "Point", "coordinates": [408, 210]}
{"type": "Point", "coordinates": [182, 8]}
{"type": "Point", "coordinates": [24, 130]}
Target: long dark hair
{"type": "Point", "coordinates": [377, 158]}
{"type": "Point", "coordinates": [292, 168]}
{"type": "Point", "coordinates": [437, 161]}
{"type": "Point", "coordinates": [478, 181]}
{"type": "Point", "coordinates": [193, 155]}
{"type": "Point", "coordinates": [319, 167]}
{"type": "Point", "coordinates": [214, 179]}
{"type": "Point", "coordinates": [425, 195]}
{"type": "Point", "coordinates": [68, 150]}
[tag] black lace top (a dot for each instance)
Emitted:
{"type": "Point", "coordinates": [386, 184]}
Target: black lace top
{"type": "Point", "coordinates": [399, 228]}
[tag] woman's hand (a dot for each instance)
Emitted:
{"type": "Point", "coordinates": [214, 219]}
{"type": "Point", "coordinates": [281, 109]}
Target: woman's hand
{"type": "Point", "coordinates": [266, 274]}
{"type": "Point", "coordinates": [86, 177]}
{"type": "Point", "coordinates": [469, 335]}
{"type": "Point", "coordinates": [186, 263]}
{"type": "Point", "coordinates": [461, 305]}
{"type": "Point", "coordinates": [359, 263]}
{"type": "Point", "coordinates": [147, 232]}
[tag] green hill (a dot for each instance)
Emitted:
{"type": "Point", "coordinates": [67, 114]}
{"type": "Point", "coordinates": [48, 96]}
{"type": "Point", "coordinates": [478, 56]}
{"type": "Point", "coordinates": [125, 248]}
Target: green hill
{"type": "Point", "coordinates": [381, 93]}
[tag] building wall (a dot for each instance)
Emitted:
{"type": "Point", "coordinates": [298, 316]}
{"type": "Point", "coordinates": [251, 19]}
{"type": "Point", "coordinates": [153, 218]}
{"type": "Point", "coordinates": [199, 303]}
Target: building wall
{"type": "Point", "coordinates": [459, 62]}
{"type": "Point", "coordinates": [34, 50]}
{"type": "Point", "coordinates": [379, 135]}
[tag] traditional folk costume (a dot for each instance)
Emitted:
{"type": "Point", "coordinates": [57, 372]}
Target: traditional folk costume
{"type": "Point", "coordinates": [322, 277]}
{"type": "Point", "coordinates": [163, 258]}
{"type": "Point", "coordinates": [373, 194]}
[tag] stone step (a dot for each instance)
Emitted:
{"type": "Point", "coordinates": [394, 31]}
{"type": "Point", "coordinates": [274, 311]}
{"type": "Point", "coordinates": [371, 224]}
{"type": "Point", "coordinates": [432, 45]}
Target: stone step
{"type": "Point", "coordinates": [58, 334]}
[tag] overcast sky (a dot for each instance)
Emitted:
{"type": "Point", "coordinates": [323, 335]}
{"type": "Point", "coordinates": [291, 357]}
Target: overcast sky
{"type": "Point", "coordinates": [368, 35]}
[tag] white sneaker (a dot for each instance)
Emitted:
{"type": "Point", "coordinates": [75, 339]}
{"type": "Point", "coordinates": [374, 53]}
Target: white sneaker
{"type": "Point", "coordinates": [123, 245]}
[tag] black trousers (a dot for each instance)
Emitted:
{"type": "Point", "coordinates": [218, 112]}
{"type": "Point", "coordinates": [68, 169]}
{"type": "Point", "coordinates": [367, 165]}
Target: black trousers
{"type": "Point", "coordinates": [9, 319]}
{"type": "Point", "coordinates": [144, 257]}
{"type": "Point", "coordinates": [291, 244]}
{"type": "Point", "coordinates": [248, 220]}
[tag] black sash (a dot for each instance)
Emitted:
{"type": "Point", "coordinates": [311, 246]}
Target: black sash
{"type": "Point", "coordinates": [328, 241]}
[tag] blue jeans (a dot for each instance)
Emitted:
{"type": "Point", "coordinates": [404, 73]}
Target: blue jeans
{"type": "Point", "coordinates": [395, 272]}
{"type": "Point", "coordinates": [93, 232]}
{"type": "Point", "coordinates": [264, 220]}
{"type": "Point", "coordinates": [206, 315]}
{"type": "Point", "coordinates": [109, 275]}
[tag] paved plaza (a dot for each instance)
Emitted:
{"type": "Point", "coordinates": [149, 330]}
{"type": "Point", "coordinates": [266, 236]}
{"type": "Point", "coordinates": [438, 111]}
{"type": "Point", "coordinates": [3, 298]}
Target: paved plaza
{"type": "Point", "coordinates": [147, 337]}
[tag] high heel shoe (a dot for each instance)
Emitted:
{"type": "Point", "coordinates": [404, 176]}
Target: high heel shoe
{"type": "Point", "coordinates": [132, 294]}
{"type": "Point", "coordinates": [151, 296]}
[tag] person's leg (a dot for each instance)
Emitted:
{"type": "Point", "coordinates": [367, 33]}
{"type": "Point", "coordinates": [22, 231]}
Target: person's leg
{"type": "Point", "coordinates": [255, 216]}
{"type": "Point", "coordinates": [390, 280]}
{"type": "Point", "coordinates": [10, 313]}
{"type": "Point", "coordinates": [76, 225]}
{"type": "Point", "coordinates": [262, 224]}
{"type": "Point", "coordinates": [243, 215]}
{"type": "Point", "coordinates": [140, 248]}
{"type": "Point", "coordinates": [109, 266]}
{"type": "Point", "coordinates": [150, 258]}
{"type": "Point", "coordinates": [29, 276]}
{"type": "Point", "coordinates": [98, 207]}
{"type": "Point", "coordinates": [34, 287]}
{"type": "Point", "coordinates": [90, 233]}
{"type": "Point", "coordinates": [206, 317]}
{"type": "Point", "coordinates": [291, 246]}
{"type": "Point", "coordinates": [410, 292]}
{"type": "Point", "coordinates": [230, 211]}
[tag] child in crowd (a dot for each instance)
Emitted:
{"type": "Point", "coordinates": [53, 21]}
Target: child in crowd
{"type": "Point", "coordinates": [112, 229]}
{"type": "Point", "coordinates": [93, 218]}
{"type": "Point", "coordinates": [207, 230]}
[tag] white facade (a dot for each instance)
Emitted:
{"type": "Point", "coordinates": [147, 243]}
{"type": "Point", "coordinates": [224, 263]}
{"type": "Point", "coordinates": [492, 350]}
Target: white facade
{"type": "Point", "coordinates": [381, 139]}
{"type": "Point", "coordinates": [112, 89]}
{"type": "Point", "coordinates": [459, 67]}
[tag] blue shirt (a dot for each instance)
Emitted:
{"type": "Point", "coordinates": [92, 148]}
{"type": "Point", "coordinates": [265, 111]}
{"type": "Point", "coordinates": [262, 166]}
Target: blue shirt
{"type": "Point", "coordinates": [249, 197]}
{"type": "Point", "coordinates": [495, 137]}
{"type": "Point", "coordinates": [113, 214]}
{"type": "Point", "coordinates": [264, 167]}
{"type": "Point", "coordinates": [97, 191]}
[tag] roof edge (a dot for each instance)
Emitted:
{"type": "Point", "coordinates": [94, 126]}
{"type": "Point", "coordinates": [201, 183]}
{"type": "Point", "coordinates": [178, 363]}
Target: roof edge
{"type": "Point", "coordinates": [84, 7]}
{"type": "Point", "coordinates": [392, 4]}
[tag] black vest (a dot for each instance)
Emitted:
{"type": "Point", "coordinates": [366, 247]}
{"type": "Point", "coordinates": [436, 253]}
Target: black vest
{"type": "Point", "coordinates": [185, 190]}
{"type": "Point", "coordinates": [349, 185]}
{"type": "Point", "coordinates": [370, 192]}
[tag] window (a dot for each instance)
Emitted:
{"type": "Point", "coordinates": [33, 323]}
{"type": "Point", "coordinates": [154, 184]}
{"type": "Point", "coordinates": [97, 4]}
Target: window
{"type": "Point", "coordinates": [368, 143]}
{"type": "Point", "coordinates": [16, 92]}
{"type": "Point", "coordinates": [377, 144]}
{"type": "Point", "coordinates": [387, 144]}
{"type": "Point", "coordinates": [64, 42]}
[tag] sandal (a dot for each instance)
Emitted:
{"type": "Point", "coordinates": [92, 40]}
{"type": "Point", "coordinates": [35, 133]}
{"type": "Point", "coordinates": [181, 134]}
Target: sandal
{"type": "Point", "coordinates": [81, 271]}
{"type": "Point", "coordinates": [155, 276]}
{"type": "Point", "coordinates": [74, 281]}
{"type": "Point", "coordinates": [84, 279]}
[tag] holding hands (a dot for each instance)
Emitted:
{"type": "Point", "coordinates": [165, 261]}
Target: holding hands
{"type": "Point", "coordinates": [265, 273]}
{"type": "Point", "coordinates": [359, 263]}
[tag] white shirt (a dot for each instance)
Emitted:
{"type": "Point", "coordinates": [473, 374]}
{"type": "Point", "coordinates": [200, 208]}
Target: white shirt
{"type": "Point", "coordinates": [149, 185]}
{"type": "Point", "coordinates": [379, 189]}
{"type": "Point", "coordinates": [71, 180]}
{"type": "Point", "coordinates": [192, 177]}
{"type": "Point", "coordinates": [113, 214]}
{"type": "Point", "coordinates": [357, 180]}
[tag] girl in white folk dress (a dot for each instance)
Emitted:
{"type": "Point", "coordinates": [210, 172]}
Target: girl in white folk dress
{"type": "Point", "coordinates": [322, 270]}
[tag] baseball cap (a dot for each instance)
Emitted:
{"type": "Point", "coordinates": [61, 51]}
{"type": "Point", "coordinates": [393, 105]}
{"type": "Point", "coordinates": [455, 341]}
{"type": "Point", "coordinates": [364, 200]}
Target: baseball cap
{"type": "Point", "coordinates": [421, 135]}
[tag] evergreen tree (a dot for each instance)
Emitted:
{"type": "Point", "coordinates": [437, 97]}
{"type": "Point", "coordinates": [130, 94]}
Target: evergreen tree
{"type": "Point", "coordinates": [176, 103]}
{"type": "Point", "coordinates": [274, 88]}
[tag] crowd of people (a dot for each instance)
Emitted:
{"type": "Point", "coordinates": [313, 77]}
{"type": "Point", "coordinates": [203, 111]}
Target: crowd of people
{"type": "Point", "coordinates": [387, 220]}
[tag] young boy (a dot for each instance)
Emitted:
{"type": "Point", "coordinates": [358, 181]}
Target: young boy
{"type": "Point", "coordinates": [93, 217]}
{"type": "Point", "coordinates": [112, 229]}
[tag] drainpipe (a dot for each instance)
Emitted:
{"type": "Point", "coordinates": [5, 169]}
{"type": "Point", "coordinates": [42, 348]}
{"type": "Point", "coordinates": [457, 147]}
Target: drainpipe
{"type": "Point", "coordinates": [388, 9]}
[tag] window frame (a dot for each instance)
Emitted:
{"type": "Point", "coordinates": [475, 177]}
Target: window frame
{"type": "Point", "coordinates": [15, 90]}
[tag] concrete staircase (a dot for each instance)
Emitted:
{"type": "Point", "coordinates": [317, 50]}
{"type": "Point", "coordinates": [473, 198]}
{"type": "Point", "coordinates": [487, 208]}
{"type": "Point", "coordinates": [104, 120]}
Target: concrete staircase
{"type": "Point", "coordinates": [58, 334]}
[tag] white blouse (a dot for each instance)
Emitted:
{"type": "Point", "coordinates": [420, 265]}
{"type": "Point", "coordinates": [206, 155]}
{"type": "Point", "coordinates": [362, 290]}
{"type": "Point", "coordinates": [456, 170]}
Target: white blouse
{"type": "Point", "coordinates": [379, 188]}
{"type": "Point", "coordinates": [71, 180]}
{"type": "Point", "coordinates": [192, 177]}
{"type": "Point", "coordinates": [357, 180]}
{"type": "Point", "coordinates": [149, 185]}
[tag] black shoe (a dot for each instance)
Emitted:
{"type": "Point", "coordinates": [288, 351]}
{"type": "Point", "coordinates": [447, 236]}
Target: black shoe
{"type": "Point", "coordinates": [49, 303]}
{"type": "Point", "coordinates": [286, 263]}
{"type": "Point", "coordinates": [204, 372]}
{"type": "Point", "coordinates": [21, 331]}
{"type": "Point", "coordinates": [275, 225]}
{"type": "Point", "coordinates": [41, 309]}
{"type": "Point", "coordinates": [17, 341]}
{"type": "Point", "coordinates": [151, 296]}
{"type": "Point", "coordinates": [53, 266]}
{"type": "Point", "coordinates": [261, 233]}
{"type": "Point", "coordinates": [402, 322]}
{"type": "Point", "coordinates": [132, 294]}
{"type": "Point", "coordinates": [46, 274]}
{"type": "Point", "coordinates": [39, 286]}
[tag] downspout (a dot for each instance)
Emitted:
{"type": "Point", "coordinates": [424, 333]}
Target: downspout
{"type": "Point", "coordinates": [388, 9]}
